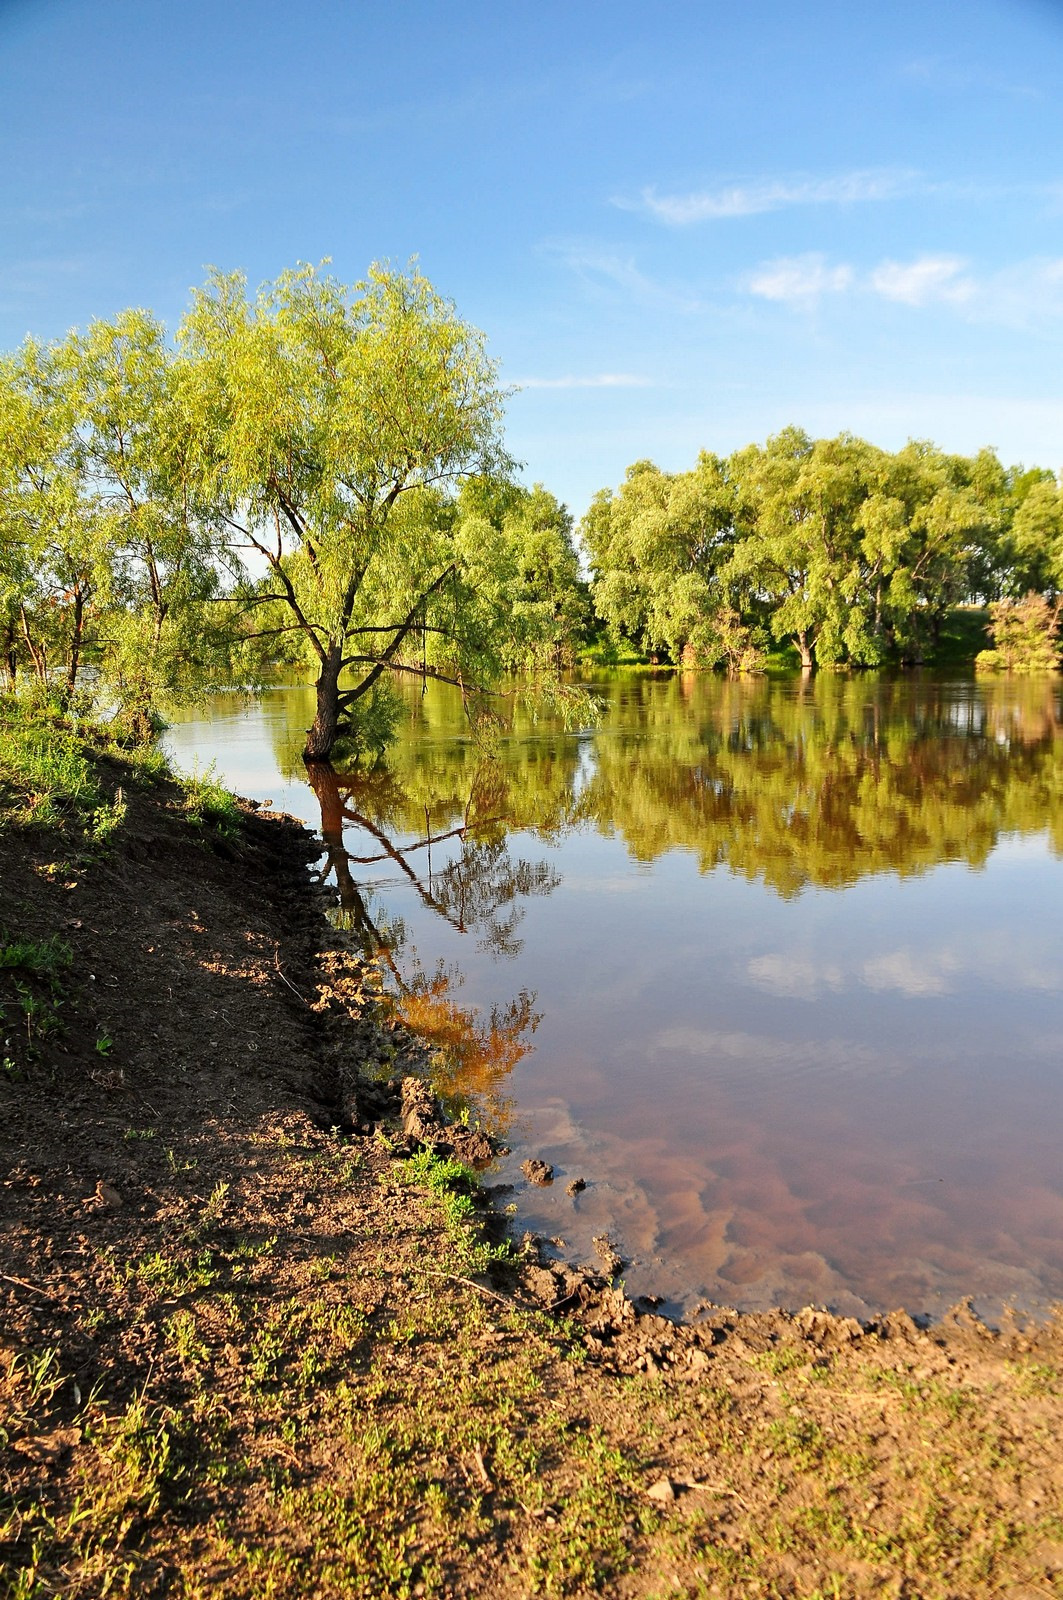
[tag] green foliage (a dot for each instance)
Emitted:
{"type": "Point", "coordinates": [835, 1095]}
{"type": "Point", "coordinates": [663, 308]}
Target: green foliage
{"type": "Point", "coordinates": [208, 802]}
{"type": "Point", "coordinates": [317, 428]}
{"type": "Point", "coordinates": [1025, 635]}
{"type": "Point", "coordinates": [107, 555]}
{"type": "Point", "coordinates": [45, 774]}
{"type": "Point", "coordinates": [843, 551]}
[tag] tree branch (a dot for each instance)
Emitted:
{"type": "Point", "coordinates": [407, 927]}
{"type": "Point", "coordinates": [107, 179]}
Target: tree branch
{"type": "Point", "coordinates": [309, 628]}
{"type": "Point", "coordinates": [417, 672]}
{"type": "Point", "coordinates": [384, 661]}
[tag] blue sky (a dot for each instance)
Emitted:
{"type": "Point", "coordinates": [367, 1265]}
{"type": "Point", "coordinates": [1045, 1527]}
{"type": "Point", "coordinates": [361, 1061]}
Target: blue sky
{"type": "Point", "coordinates": [680, 226]}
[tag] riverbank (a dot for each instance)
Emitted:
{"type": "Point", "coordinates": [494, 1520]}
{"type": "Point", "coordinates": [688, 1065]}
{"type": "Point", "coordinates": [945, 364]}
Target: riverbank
{"type": "Point", "coordinates": [243, 1351]}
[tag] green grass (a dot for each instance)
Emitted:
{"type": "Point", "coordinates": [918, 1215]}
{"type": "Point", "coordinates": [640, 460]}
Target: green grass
{"type": "Point", "coordinates": [35, 972]}
{"type": "Point", "coordinates": [50, 778]}
{"type": "Point", "coordinates": [46, 777]}
{"type": "Point", "coordinates": [208, 803]}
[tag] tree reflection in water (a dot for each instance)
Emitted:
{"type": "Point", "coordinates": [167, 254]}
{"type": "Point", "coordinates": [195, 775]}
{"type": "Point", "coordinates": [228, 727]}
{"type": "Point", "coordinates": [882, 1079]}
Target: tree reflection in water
{"type": "Point", "coordinates": [796, 784]}
{"type": "Point", "coordinates": [477, 891]}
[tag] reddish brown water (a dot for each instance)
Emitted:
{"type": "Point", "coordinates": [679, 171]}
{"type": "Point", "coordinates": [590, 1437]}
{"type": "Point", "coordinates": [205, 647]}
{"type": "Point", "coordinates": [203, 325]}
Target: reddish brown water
{"type": "Point", "coordinates": [796, 956]}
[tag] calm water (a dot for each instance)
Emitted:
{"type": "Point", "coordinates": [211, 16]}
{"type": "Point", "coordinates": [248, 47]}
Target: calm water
{"type": "Point", "coordinates": [776, 968]}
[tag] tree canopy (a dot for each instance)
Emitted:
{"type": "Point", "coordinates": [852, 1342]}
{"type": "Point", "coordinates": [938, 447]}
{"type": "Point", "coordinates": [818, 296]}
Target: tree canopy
{"type": "Point", "coordinates": [848, 553]}
{"type": "Point", "coordinates": [291, 468]}
{"type": "Point", "coordinates": [317, 472]}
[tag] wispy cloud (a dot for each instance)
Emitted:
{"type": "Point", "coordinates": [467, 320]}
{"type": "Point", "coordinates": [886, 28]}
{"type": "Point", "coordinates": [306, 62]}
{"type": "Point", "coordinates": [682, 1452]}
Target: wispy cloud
{"type": "Point", "coordinates": [917, 283]}
{"type": "Point", "coordinates": [953, 77]}
{"type": "Point", "coordinates": [771, 194]}
{"type": "Point", "coordinates": [604, 268]}
{"type": "Point", "coordinates": [1013, 296]}
{"type": "Point", "coordinates": [596, 380]}
{"type": "Point", "coordinates": [799, 279]}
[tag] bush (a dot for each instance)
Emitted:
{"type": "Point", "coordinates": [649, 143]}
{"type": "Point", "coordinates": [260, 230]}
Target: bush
{"type": "Point", "coordinates": [1025, 635]}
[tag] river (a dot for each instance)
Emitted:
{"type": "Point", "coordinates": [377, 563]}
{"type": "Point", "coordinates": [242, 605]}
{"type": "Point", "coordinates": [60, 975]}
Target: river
{"type": "Point", "coordinates": [775, 967]}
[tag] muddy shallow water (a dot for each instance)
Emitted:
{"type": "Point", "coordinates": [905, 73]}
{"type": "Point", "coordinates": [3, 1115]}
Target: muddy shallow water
{"type": "Point", "coordinates": [776, 968]}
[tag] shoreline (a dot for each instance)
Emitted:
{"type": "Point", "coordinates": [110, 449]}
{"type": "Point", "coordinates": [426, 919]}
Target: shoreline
{"type": "Point", "coordinates": [243, 1351]}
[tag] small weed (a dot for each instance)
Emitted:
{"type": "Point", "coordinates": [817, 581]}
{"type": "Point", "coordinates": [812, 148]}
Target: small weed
{"type": "Point", "coordinates": [37, 969]}
{"type": "Point", "coordinates": [106, 820]}
{"type": "Point", "coordinates": [178, 1163]}
{"type": "Point", "coordinates": [182, 1334]}
{"type": "Point", "coordinates": [40, 1374]}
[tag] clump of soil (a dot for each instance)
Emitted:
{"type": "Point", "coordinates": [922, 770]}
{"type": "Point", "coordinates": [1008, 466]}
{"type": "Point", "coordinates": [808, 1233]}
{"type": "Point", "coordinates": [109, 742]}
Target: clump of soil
{"type": "Point", "coordinates": [536, 1171]}
{"type": "Point", "coordinates": [247, 1348]}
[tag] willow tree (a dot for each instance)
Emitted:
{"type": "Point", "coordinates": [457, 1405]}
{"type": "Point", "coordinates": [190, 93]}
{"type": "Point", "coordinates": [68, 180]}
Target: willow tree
{"type": "Point", "coordinates": [656, 547]}
{"type": "Point", "coordinates": [330, 423]}
{"type": "Point", "coordinates": [52, 538]}
{"type": "Point", "coordinates": [162, 562]}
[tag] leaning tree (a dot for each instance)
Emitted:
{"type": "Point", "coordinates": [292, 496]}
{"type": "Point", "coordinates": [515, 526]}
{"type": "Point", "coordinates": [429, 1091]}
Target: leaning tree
{"type": "Point", "coordinates": [330, 424]}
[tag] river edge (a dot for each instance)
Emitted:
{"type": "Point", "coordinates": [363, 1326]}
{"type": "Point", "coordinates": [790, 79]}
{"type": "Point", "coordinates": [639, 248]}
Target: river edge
{"type": "Point", "coordinates": [245, 1350]}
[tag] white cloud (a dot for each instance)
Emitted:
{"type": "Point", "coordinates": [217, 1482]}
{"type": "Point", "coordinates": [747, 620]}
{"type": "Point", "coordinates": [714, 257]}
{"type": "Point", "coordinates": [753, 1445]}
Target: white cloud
{"type": "Point", "coordinates": [597, 380]}
{"type": "Point", "coordinates": [917, 283]}
{"type": "Point", "coordinates": [747, 200]}
{"type": "Point", "coordinates": [1017, 296]}
{"type": "Point", "coordinates": [798, 280]}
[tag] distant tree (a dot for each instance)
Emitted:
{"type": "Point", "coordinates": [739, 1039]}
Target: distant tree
{"type": "Point", "coordinates": [848, 552]}
{"type": "Point", "coordinates": [548, 600]}
{"type": "Point", "coordinates": [802, 552]}
{"type": "Point", "coordinates": [656, 548]}
{"type": "Point", "coordinates": [1025, 635]}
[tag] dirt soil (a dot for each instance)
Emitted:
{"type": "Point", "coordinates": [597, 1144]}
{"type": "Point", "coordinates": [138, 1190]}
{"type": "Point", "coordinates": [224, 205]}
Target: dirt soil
{"type": "Point", "coordinates": [258, 1339]}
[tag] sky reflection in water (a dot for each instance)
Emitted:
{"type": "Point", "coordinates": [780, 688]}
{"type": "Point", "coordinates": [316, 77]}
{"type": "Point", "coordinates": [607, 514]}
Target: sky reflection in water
{"type": "Point", "coordinates": [776, 968]}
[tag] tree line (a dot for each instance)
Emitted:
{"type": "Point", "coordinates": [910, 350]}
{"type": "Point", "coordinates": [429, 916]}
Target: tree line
{"type": "Point", "coordinates": [840, 550]}
{"type": "Point", "coordinates": [317, 473]}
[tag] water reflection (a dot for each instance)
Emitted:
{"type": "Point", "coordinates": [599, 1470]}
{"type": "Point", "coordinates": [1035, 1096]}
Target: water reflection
{"type": "Point", "coordinates": [789, 953]}
{"type": "Point", "coordinates": [474, 1053]}
{"type": "Point", "coordinates": [829, 781]}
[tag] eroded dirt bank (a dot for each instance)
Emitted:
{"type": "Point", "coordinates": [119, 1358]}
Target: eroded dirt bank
{"type": "Point", "coordinates": [256, 1339]}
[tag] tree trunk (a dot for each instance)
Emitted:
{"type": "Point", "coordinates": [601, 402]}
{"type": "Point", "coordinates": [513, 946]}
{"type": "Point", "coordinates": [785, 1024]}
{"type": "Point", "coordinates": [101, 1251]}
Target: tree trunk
{"type": "Point", "coordinates": [804, 649]}
{"type": "Point", "coordinates": [75, 641]}
{"type": "Point", "coordinates": [37, 654]}
{"type": "Point", "coordinates": [10, 654]}
{"type": "Point", "coordinates": [322, 734]}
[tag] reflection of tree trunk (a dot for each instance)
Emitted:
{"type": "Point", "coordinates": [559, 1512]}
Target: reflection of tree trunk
{"type": "Point", "coordinates": [322, 733]}
{"type": "Point", "coordinates": [324, 782]}
{"type": "Point", "coordinates": [336, 812]}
